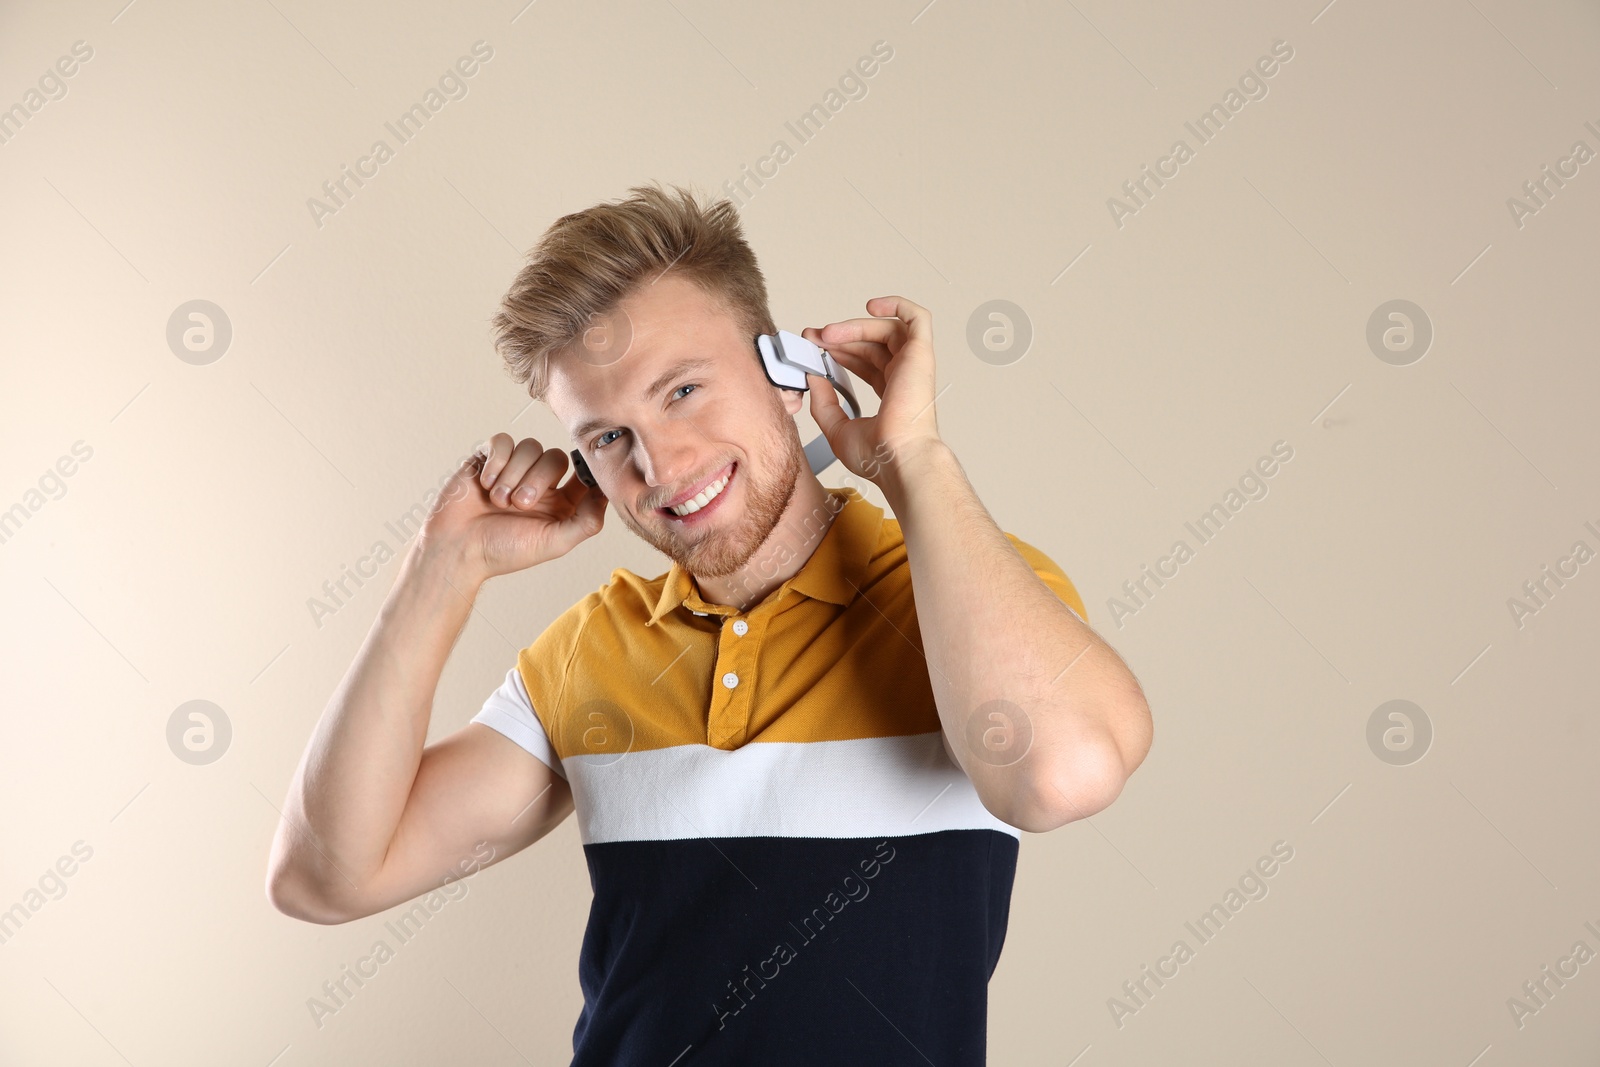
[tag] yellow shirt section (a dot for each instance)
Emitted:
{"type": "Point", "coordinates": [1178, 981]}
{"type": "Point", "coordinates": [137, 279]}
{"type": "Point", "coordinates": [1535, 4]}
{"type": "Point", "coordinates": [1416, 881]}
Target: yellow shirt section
{"type": "Point", "coordinates": [834, 653]}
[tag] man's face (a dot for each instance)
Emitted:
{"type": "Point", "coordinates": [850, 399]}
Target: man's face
{"type": "Point", "coordinates": [657, 430]}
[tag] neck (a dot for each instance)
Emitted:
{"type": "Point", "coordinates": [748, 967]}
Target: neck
{"type": "Point", "coordinates": [799, 531]}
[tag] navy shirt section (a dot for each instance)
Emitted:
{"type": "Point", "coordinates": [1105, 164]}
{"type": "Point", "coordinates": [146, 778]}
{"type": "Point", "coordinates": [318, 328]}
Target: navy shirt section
{"type": "Point", "coordinates": [712, 951]}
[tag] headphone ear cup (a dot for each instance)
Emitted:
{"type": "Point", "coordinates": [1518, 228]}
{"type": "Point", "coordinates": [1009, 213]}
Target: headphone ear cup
{"type": "Point", "coordinates": [780, 373]}
{"type": "Point", "coordinates": [581, 469]}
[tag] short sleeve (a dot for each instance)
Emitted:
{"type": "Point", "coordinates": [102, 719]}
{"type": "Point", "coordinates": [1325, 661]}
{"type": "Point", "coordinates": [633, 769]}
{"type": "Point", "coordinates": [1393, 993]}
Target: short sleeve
{"type": "Point", "coordinates": [1052, 576]}
{"type": "Point", "coordinates": [509, 710]}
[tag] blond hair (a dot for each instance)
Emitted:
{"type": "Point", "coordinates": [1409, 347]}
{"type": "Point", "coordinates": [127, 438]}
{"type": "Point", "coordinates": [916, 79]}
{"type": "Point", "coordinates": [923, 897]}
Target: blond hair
{"type": "Point", "coordinates": [588, 261]}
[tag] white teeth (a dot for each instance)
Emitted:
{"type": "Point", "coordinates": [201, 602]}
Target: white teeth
{"type": "Point", "coordinates": [707, 495]}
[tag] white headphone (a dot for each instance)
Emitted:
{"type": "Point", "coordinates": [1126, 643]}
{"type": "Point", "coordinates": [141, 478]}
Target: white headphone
{"type": "Point", "coordinates": [787, 358]}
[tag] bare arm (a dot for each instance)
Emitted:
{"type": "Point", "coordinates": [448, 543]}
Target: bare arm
{"type": "Point", "coordinates": [373, 816]}
{"type": "Point", "coordinates": [1044, 716]}
{"type": "Point", "coordinates": [1040, 712]}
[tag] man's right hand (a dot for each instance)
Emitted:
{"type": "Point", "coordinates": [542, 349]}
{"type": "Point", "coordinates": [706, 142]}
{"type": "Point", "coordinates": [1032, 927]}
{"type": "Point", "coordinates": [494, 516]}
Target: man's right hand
{"type": "Point", "coordinates": [502, 510]}
{"type": "Point", "coordinates": [374, 815]}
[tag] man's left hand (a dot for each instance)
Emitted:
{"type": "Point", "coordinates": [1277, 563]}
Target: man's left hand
{"type": "Point", "coordinates": [893, 353]}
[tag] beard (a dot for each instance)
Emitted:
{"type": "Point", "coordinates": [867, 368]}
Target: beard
{"type": "Point", "coordinates": [719, 553]}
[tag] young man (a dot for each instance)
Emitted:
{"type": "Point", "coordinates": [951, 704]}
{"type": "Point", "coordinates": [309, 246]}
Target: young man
{"type": "Point", "coordinates": [800, 788]}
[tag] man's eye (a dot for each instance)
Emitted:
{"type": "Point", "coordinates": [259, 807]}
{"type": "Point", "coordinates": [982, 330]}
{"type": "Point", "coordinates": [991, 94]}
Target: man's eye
{"type": "Point", "coordinates": [689, 385]}
{"type": "Point", "coordinates": [601, 441]}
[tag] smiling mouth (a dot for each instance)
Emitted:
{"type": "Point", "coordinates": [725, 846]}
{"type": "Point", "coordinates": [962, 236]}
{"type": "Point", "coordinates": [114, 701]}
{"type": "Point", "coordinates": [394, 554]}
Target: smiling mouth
{"type": "Point", "coordinates": [705, 498]}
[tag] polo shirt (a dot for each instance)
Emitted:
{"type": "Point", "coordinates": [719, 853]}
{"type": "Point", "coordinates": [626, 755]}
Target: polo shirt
{"type": "Point", "coordinates": [787, 866]}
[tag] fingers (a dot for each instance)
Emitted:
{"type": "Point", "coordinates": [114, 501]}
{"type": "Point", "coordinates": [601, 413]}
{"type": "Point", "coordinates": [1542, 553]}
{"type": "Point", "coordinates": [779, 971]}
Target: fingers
{"type": "Point", "coordinates": [575, 493]}
{"type": "Point", "coordinates": [896, 321]}
{"type": "Point", "coordinates": [509, 480]}
{"type": "Point", "coordinates": [495, 455]}
{"type": "Point", "coordinates": [825, 406]}
{"type": "Point", "coordinates": [586, 518]}
{"type": "Point", "coordinates": [884, 333]}
{"type": "Point", "coordinates": [918, 319]}
{"type": "Point", "coordinates": [519, 475]}
{"type": "Point", "coordinates": [864, 358]}
{"type": "Point", "coordinates": [591, 511]}
{"type": "Point", "coordinates": [539, 470]}
{"type": "Point", "coordinates": [834, 338]}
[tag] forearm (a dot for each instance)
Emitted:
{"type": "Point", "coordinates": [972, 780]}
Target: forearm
{"type": "Point", "coordinates": [998, 641]}
{"type": "Point", "coordinates": [356, 774]}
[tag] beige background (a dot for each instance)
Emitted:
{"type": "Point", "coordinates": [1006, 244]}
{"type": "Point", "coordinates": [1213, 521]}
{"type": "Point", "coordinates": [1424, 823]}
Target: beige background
{"type": "Point", "coordinates": [1228, 314]}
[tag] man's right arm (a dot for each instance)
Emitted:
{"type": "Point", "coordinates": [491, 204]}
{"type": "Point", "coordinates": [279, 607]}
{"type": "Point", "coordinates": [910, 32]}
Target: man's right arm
{"type": "Point", "coordinates": [374, 816]}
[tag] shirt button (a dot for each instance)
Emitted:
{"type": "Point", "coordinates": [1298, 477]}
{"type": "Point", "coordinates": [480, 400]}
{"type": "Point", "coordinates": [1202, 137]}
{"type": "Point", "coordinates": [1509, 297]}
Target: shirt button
{"type": "Point", "coordinates": [730, 679]}
{"type": "Point", "coordinates": [741, 627]}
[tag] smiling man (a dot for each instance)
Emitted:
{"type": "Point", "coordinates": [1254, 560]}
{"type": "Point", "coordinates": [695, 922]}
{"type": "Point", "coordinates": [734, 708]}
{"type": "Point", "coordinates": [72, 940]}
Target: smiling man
{"type": "Point", "coordinates": [799, 787]}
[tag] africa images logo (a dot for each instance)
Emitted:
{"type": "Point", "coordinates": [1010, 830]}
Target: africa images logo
{"type": "Point", "coordinates": [854, 888]}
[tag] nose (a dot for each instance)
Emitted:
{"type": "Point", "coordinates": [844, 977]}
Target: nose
{"type": "Point", "coordinates": [667, 453]}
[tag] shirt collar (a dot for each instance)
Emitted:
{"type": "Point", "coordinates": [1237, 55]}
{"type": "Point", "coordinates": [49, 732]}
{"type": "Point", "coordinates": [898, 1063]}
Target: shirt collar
{"type": "Point", "coordinates": [833, 573]}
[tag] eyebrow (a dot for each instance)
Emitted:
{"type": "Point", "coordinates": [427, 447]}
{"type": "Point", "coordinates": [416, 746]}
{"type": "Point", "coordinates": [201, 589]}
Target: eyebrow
{"type": "Point", "coordinates": [664, 379]}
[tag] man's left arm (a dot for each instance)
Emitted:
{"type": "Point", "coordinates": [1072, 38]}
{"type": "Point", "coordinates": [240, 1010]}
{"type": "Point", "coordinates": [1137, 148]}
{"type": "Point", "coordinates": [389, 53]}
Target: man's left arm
{"type": "Point", "coordinates": [1042, 715]}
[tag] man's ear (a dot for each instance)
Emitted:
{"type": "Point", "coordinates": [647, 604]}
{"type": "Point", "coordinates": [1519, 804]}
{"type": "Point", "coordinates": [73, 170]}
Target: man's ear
{"type": "Point", "coordinates": [793, 401]}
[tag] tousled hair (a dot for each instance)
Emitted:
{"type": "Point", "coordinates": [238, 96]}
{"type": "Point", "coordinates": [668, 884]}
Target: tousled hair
{"type": "Point", "coordinates": [588, 261]}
